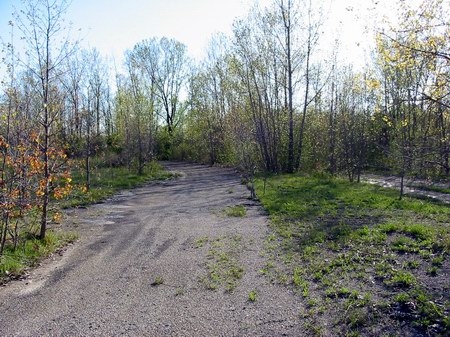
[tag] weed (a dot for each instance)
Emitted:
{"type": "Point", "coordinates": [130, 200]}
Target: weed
{"type": "Point", "coordinates": [252, 296]}
{"type": "Point", "coordinates": [334, 237]}
{"type": "Point", "coordinates": [405, 244]}
{"type": "Point", "coordinates": [357, 317]}
{"type": "Point", "coordinates": [199, 243]}
{"type": "Point", "coordinates": [157, 281]}
{"type": "Point", "coordinates": [433, 270]}
{"type": "Point", "coordinates": [402, 279]}
{"type": "Point", "coordinates": [438, 261]}
{"type": "Point", "coordinates": [235, 211]}
{"type": "Point", "coordinates": [343, 292]}
{"type": "Point", "coordinates": [223, 267]}
{"type": "Point", "coordinates": [179, 292]}
{"type": "Point", "coordinates": [299, 282]}
{"type": "Point", "coordinates": [414, 264]}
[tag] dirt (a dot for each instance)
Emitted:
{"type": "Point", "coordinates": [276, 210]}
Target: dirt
{"type": "Point", "coordinates": [411, 186]}
{"type": "Point", "coordinates": [104, 284]}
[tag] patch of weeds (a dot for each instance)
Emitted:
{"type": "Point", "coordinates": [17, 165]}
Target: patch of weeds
{"type": "Point", "coordinates": [343, 292]}
{"type": "Point", "coordinates": [105, 181]}
{"type": "Point", "coordinates": [252, 296]}
{"type": "Point", "coordinates": [418, 231]}
{"type": "Point", "coordinates": [157, 281]}
{"type": "Point", "coordinates": [313, 328]}
{"type": "Point", "coordinates": [299, 282]}
{"type": "Point", "coordinates": [422, 311]}
{"type": "Point", "coordinates": [236, 211]}
{"type": "Point", "coordinates": [223, 266]}
{"type": "Point", "coordinates": [357, 317]}
{"type": "Point", "coordinates": [438, 261]}
{"type": "Point", "coordinates": [414, 264]}
{"type": "Point", "coordinates": [199, 243]}
{"type": "Point", "coordinates": [312, 302]}
{"type": "Point", "coordinates": [335, 237]}
{"type": "Point", "coordinates": [401, 279]}
{"type": "Point", "coordinates": [282, 278]}
{"type": "Point", "coordinates": [30, 250]}
{"type": "Point", "coordinates": [425, 254]}
{"type": "Point", "coordinates": [404, 244]}
{"type": "Point", "coordinates": [383, 269]}
{"type": "Point", "coordinates": [388, 228]}
{"type": "Point", "coordinates": [433, 271]}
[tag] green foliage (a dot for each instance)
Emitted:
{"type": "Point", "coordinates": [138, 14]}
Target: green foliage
{"type": "Point", "coordinates": [105, 181]}
{"type": "Point", "coordinates": [235, 211]}
{"type": "Point", "coordinates": [223, 266]}
{"type": "Point", "coordinates": [30, 250]}
{"type": "Point", "coordinates": [252, 296]}
{"type": "Point", "coordinates": [347, 245]}
{"type": "Point", "coordinates": [157, 281]}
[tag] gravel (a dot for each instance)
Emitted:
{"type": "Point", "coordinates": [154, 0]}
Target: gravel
{"type": "Point", "coordinates": [104, 285]}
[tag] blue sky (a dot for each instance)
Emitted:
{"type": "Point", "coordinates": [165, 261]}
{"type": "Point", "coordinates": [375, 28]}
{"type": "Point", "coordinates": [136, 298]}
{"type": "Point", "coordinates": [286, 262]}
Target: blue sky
{"type": "Point", "coordinates": [112, 26]}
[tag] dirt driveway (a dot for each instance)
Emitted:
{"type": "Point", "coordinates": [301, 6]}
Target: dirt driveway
{"type": "Point", "coordinates": [107, 284]}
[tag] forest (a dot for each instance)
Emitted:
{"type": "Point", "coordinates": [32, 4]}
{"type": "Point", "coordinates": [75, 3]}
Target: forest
{"type": "Point", "coordinates": [266, 99]}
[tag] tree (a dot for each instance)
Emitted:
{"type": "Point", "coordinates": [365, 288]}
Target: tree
{"type": "Point", "coordinates": [42, 24]}
{"type": "Point", "coordinates": [165, 62]}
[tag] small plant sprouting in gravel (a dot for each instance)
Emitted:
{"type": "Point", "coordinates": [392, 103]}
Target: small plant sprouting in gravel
{"type": "Point", "coordinates": [201, 242]}
{"type": "Point", "coordinates": [252, 296]}
{"type": "Point", "coordinates": [179, 292]}
{"type": "Point", "coordinates": [157, 281]}
{"type": "Point", "coordinates": [223, 265]}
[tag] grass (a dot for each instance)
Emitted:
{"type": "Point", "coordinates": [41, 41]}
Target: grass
{"type": "Point", "coordinates": [432, 188]}
{"type": "Point", "coordinates": [355, 252]}
{"type": "Point", "coordinates": [235, 211]}
{"type": "Point", "coordinates": [223, 267]}
{"type": "Point", "coordinates": [30, 251]}
{"type": "Point", "coordinates": [105, 181]}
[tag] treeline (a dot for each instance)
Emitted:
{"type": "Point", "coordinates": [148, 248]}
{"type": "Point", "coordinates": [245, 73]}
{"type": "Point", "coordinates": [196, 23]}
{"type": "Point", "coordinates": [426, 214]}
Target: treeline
{"type": "Point", "coordinates": [266, 95]}
{"type": "Point", "coordinates": [265, 98]}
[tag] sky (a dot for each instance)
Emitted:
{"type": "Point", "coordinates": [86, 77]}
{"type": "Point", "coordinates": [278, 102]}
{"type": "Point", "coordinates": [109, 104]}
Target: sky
{"type": "Point", "coordinates": [113, 26]}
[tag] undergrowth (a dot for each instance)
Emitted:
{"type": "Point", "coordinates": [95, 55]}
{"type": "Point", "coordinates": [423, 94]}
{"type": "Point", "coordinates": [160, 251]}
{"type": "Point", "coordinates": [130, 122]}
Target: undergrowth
{"type": "Point", "coordinates": [30, 251]}
{"type": "Point", "coordinates": [105, 181]}
{"type": "Point", "coordinates": [365, 262]}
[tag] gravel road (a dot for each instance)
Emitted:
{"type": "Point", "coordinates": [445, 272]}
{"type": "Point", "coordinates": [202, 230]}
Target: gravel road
{"type": "Point", "coordinates": [411, 186]}
{"type": "Point", "coordinates": [102, 285]}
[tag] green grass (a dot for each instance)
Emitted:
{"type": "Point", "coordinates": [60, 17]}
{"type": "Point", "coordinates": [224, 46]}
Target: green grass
{"type": "Point", "coordinates": [356, 249]}
{"type": "Point", "coordinates": [224, 269]}
{"type": "Point", "coordinates": [235, 211]}
{"type": "Point", "coordinates": [30, 250]}
{"type": "Point", "coordinates": [433, 188]}
{"type": "Point", "coordinates": [105, 181]}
